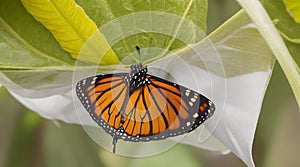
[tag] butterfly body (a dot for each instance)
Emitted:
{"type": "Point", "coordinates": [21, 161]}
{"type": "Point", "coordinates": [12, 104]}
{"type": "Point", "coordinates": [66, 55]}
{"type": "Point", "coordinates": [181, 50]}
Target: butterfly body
{"type": "Point", "coordinates": [137, 106]}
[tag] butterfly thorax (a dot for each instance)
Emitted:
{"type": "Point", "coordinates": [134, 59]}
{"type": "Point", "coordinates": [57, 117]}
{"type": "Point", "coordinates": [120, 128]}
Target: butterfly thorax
{"type": "Point", "coordinates": [137, 77]}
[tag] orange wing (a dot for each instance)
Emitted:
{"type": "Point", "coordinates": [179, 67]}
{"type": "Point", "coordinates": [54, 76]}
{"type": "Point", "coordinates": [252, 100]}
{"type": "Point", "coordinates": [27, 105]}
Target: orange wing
{"type": "Point", "coordinates": [156, 110]}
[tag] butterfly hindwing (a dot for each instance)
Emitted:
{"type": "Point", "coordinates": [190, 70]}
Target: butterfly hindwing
{"type": "Point", "coordinates": [103, 96]}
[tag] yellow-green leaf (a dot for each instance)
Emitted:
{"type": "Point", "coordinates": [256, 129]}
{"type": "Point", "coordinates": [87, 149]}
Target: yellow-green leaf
{"type": "Point", "coordinates": [293, 7]}
{"type": "Point", "coordinates": [71, 27]}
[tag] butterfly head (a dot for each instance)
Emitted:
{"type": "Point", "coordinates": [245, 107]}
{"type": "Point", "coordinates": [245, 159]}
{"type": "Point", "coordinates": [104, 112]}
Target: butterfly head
{"type": "Point", "coordinates": [137, 68]}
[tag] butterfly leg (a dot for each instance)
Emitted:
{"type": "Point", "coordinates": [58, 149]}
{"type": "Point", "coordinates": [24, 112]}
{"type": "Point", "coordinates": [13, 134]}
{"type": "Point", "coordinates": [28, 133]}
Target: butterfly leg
{"type": "Point", "coordinates": [116, 136]}
{"type": "Point", "coordinates": [115, 139]}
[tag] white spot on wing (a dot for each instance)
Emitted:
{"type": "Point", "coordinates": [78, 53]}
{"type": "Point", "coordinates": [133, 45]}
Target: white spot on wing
{"type": "Point", "coordinates": [188, 124]}
{"type": "Point", "coordinates": [187, 92]}
{"type": "Point", "coordinates": [196, 115]}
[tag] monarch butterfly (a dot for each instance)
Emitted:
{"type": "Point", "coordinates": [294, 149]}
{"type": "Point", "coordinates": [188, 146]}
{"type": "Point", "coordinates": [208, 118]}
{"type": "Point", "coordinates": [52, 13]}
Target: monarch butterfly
{"type": "Point", "coordinates": [137, 106]}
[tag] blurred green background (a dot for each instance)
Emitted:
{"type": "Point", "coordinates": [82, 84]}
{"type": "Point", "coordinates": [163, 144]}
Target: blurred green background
{"type": "Point", "coordinates": [28, 140]}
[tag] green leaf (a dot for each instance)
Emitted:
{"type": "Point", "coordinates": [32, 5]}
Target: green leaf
{"type": "Point", "coordinates": [16, 53]}
{"type": "Point", "coordinates": [194, 10]}
{"type": "Point", "coordinates": [37, 44]}
{"type": "Point", "coordinates": [147, 24]}
{"type": "Point", "coordinates": [23, 38]}
{"type": "Point", "coordinates": [293, 7]}
{"type": "Point", "coordinates": [286, 25]}
{"type": "Point", "coordinates": [71, 27]}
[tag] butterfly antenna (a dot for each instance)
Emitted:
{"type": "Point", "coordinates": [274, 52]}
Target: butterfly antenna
{"type": "Point", "coordinates": [139, 52]}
